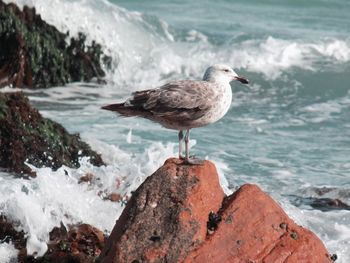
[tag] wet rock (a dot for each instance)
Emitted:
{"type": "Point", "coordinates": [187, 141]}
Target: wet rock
{"type": "Point", "coordinates": [87, 178]}
{"type": "Point", "coordinates": [324, 204]}
{"type": "Point", "coordinates": [213, 221]}
{"type": "Point", "coordinates": [25, 136]}
{"type": "Point", "coordinates": [36, 55]}
{"type": "Point", "coordinates": [81, 244]}
{"type": "Point", "coordinates": [8, 234]}
{"type": "Point", "coordinates": [167, 216]}
{"type": "Point", "coordinates": [333, 257]}
{"type": "Point", "coordinates": [114, 197]}
{"type": "Point", "coordinates": [328, 204]}
{"type": "Point", "coordinates": [179, 215]}
{"type": "Point", "coordinates": [323, 190]}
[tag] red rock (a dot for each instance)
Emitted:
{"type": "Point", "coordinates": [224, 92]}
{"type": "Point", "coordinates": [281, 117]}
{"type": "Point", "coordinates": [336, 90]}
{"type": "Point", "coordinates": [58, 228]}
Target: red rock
{"type": "Point", "coordinates": [114, 197]}
{"type": "Point", "coordinates": [254, 228]}
{"type": "Point", "coordinates": [81, 244]}
{"type": "Point", "coordinates": [167, 217]}
{"type": "Point", "coordinates": [87, 178]}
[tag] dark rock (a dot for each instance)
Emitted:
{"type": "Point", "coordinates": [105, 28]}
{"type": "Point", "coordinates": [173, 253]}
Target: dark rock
{"type": "Point", "coordinates": [87, 178]}
{"type": "Point", "coordinates": [35, 54]}
{"type": "Point", "coordinates": [25, 136]}
{"type": "Point", "coordinates": [323, 190]}
{"type": "Point", "coordinates": [213, 222]}
{"type": "Point", "coordinates": [9, 234]}
{"type": "Point", "coordinates": [328, 204]}
{"type": "Point", "coordinates": [82, 243]}
{"type": "Point", "coordinates": [323, 204]}
{"type": "Point", "coordinates": [333, 257]}
{"type": "Point", "coordinates": [169, 215]}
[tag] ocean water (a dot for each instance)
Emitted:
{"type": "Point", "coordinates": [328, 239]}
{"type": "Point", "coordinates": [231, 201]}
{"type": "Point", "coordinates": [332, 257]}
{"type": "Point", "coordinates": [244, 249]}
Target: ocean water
{"type": "Point", "coordinates": [288, 131]}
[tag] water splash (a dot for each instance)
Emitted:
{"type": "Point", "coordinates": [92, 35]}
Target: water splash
{"type": "Point", "coordinates": [8, 253]}
{"type": "Point", "coordinates": [37, 205]}
{"type": "Point", "coordinates": [147, 51]}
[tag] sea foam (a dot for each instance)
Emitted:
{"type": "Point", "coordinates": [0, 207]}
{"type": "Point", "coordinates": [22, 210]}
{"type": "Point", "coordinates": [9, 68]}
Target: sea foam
{"type": "Point", "coordinates": [8, 253]}
{"type": "Point", "coordinates": [37, 205]}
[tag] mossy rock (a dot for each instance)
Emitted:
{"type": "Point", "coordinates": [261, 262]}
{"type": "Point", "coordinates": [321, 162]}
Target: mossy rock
{"type": "Point", "coordinates": [35, 54]}
{"type": "Point", "coordinates": [25, 136]}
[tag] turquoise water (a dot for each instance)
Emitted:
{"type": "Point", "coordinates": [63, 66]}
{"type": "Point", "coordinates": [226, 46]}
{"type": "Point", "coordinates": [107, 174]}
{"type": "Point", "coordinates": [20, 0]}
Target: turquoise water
{"type": "Point", "coordinates": [296, 114]}
{"type": "Point", "coordinates": [289, 131]}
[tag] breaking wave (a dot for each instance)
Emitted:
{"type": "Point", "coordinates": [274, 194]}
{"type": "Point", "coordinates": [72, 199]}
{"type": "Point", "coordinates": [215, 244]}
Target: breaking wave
{"type": "Point", "coordinates": [147, 50]}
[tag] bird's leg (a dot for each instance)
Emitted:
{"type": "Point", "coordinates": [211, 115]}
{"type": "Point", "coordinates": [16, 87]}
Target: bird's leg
{"type": "Point", "coordinates": [187, 139]}
{"type": "Point", "coordinates": [188, 159]}
{"type": "Point", "coordinates": [181, 137]}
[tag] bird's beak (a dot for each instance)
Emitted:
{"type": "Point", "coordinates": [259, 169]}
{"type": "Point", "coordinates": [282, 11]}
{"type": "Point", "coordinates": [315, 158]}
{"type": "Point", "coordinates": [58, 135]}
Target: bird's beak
{"type": "Point", "coordinates": [241, 79]}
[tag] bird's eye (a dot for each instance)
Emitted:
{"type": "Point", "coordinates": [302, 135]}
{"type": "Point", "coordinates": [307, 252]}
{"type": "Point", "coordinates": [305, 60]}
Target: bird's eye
{"type": "Point", "coordinates": [226, 70]}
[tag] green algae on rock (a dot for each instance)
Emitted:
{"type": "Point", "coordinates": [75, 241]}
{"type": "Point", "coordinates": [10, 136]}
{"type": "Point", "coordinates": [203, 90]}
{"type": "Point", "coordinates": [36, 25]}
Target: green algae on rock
{"type": "Point", "coordinates": [36, 55]}
{"type": "Point", "coordinates": [25, 136]}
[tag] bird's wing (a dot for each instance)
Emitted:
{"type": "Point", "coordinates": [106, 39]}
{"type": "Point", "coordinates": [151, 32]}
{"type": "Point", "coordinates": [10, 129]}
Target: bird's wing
{"type": "Point", "coordinates": [179, 100]}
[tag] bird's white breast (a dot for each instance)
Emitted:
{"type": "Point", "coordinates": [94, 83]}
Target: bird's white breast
{"type": "Point", "coordinates": [223, 104]}
{"type": "Point", "coordinates": [219, 108]}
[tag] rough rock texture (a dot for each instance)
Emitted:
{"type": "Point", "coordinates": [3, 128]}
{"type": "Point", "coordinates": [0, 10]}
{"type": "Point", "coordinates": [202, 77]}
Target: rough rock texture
{"type": "Point", "coordinates": [177, 215]}
{"type": "Point", "coordinates": [324, 204]}
{"type": "Point", "coordinates": [8, 234]}
{"type": "Point", "coordinates": [81, 244]}
{"type": "Point", "coordinates": [35, 54]}
{"type": "Point", "coordinates": [167, 216]}
{"type": "Point", "coordinates": [254, 228]}
{"type": "Point", "coordinates": [26, 136]}
{"type": "Point", "coordinates": [322, 198]}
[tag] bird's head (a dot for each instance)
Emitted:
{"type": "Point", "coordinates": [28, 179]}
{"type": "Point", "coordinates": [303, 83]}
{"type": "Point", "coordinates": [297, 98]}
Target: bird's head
{"type": "Point", "coordinates": [221, 72]}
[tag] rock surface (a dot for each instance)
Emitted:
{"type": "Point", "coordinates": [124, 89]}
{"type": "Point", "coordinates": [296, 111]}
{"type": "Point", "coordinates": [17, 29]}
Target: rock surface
{"type": "Point", "coordinates": [254, 228]}
{"type": "Point", "coordinates": [167, 216]}
{"type": "Point", "coordinates": [25, 136]}
{"type": "Point", "coordinates": [324, 204]}
{"type": "Point", "coordinates": [35, 54]}
{"type": "Point", "coordinates": [81, 243]}
{"type": "Point", "coordinates": [180, 214]}
{"type": "Point", "coordinates": [9, 234]}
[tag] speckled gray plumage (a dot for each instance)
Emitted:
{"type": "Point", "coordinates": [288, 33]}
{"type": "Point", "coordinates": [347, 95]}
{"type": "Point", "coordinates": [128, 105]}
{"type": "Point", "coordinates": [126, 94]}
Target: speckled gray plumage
{"type": "Point", "coordinates": [184, 104]}
{"type": "Point", "coordinates": [177, 103]}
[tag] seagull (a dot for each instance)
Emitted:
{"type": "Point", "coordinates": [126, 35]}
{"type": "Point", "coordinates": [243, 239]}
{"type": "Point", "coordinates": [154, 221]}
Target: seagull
{"type": "Point", "coordinates": [184, 104]}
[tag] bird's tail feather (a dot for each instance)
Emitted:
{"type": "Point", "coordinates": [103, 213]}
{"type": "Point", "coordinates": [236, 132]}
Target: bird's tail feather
{"type": "Point", "coordinates": [122, 109]}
